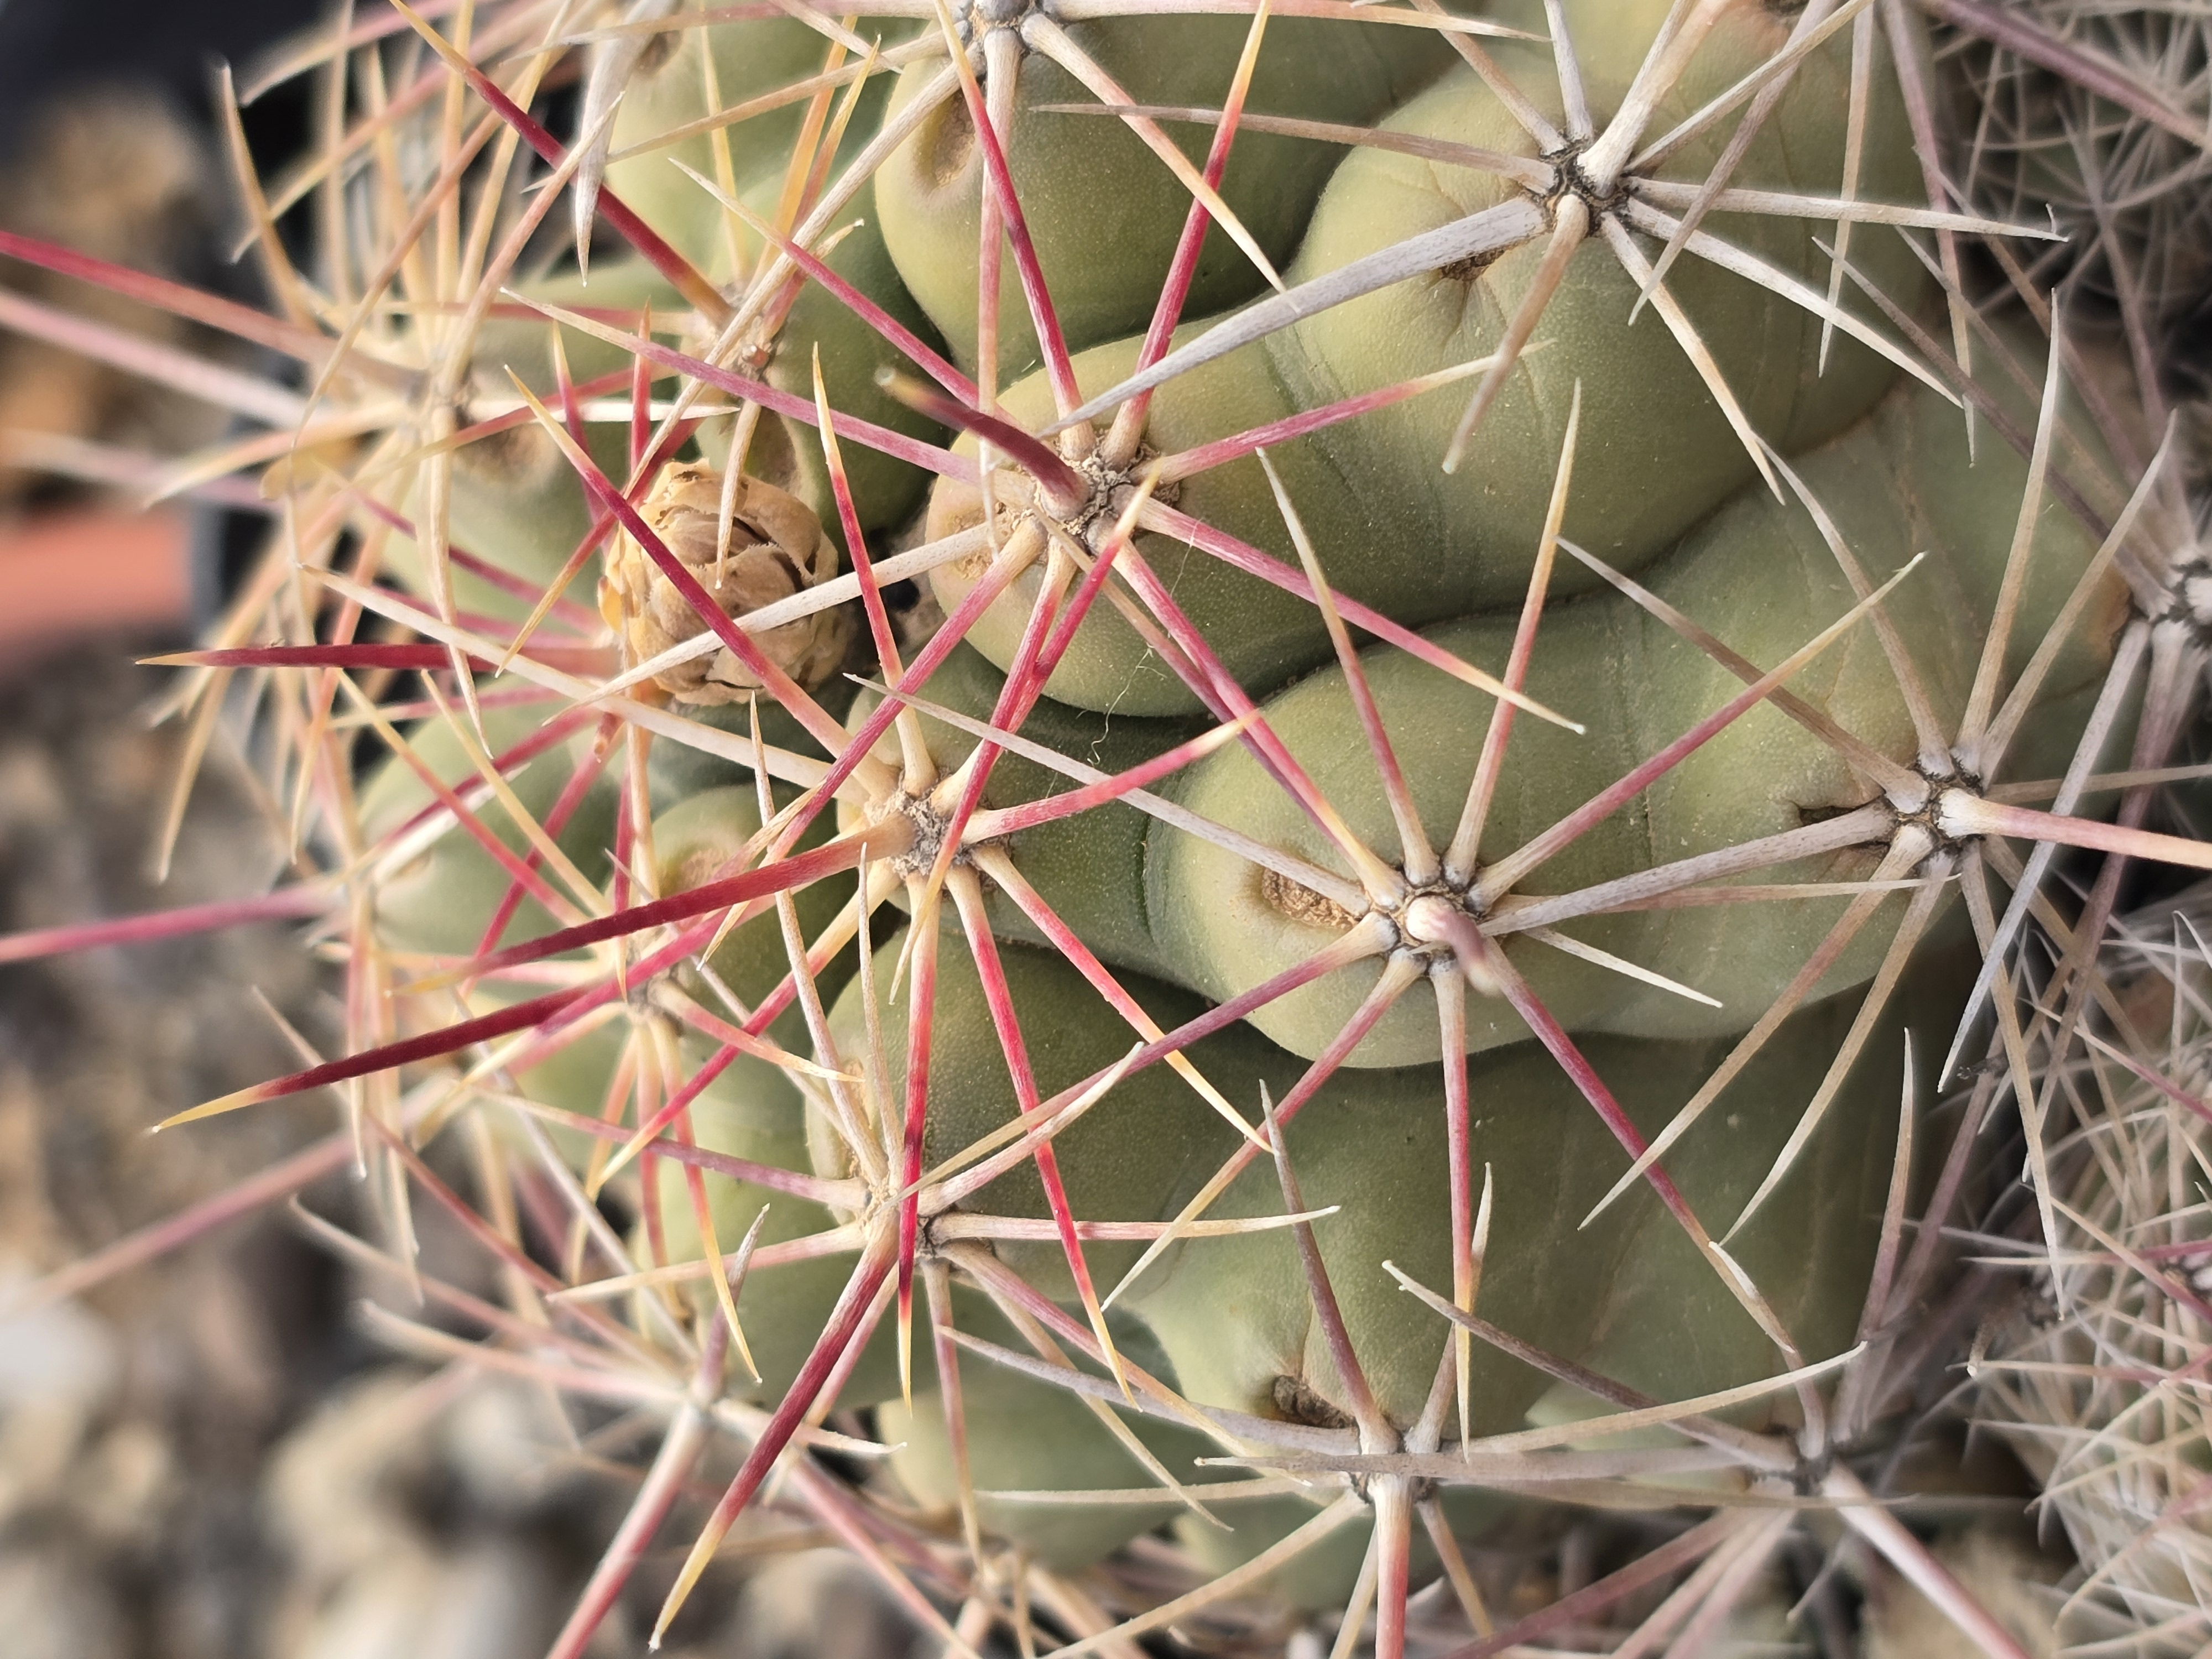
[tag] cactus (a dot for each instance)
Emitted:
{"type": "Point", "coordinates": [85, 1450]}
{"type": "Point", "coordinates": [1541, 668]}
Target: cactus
{"type": "Point", "coordinates": [2097, 114]}
{"type": "Point", "coordinates": [2081, 1367]}
{"type": "Point", "coordinates": [1246, 775]}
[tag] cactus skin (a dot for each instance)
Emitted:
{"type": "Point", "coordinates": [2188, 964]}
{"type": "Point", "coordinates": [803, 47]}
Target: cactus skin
{"type": "Point", "coordinates": [668, 89]}
{"type": "Point", "coordinates": [1046, 1441]}
{"type": "Point", "coordinates": [786, 453]}
{"type": "Point", "coordinates": [1139, 1155]}
{"type": "Point", "coordinates": [1107, 212]}
{"type": "Point", "coordinates": [1422, 545]}
{"type": "Point", "coordinates": [440, 902]}
{"type": "Point", "coordinates": [1760, 573]}
{"type": "Point", "coordinates": [514, 501]}
{"type": "Point", "coordinates": [1230, 1316]}
{"type": "Point", "coordinates": [1642, 488]}
{"type": "Point", "coordinates": [706, 833]}
{"type": "Point", "coordinates": [1899, 484]}
{"type": "Point", "coordinates": [754, 59]}
{"type": "Point", "coordinates": [1090, 866]}
{"type": "Point", "coordinates": [752, 1112]}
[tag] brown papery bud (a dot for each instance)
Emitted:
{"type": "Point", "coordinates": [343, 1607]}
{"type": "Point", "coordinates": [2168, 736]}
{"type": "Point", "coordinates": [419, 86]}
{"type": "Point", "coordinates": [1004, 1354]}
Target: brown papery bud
{"type": "Point", "coordinates": [777, 548]}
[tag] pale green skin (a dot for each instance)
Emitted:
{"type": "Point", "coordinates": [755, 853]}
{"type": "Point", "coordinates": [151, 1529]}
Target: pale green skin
{"type": "Point", "coordinates": [753, 1111]}
{"type": "Point", "coordinates": [442, 902]}
{"type": "Point", "coordinates": [1262, 634]}
{"type": "Point", "coordinates": [517, 503]}
{"type": "Point", "coordinates": [1761, 578]}
{"type": "Point", "coordinates": [1641, 1308]}
{"type": "Point", "coordinates": [1103, 211]}
{"type": "Point", "coordinates": [1027, 1436]}
{"type": "Point", "coordinates": [1232, 1314]}
{"type": "Point", "coordinates": [1655, 452]}
{"type": "Point", "coordinates": [784, 452]}
{"type": "Point", "coordinates": [523, 341]}
{"type": "Point", "coordinates": [752, 57]}
{"type": "Point", "coordinates": [1090, 866]}
{"type": "Point", "coordinates": [676, 771]}
{"type": "Point", "coordinates": [788, 453]}
{"type": "Point", "coordinates": [1138, 1155]}
{"type": "Point", "coordinates": [1669, 1327]}
{"type": "Point", "coordinates": [1320, 1577]}
{"type": "Point", "coordinates": [514, 499]}
{"type": "Point", "coordinates": [514, 502]}
{"type": "Point", "coordinates": [705, 831]}
{"type": "Point", "coordinates": [1224, 1318]}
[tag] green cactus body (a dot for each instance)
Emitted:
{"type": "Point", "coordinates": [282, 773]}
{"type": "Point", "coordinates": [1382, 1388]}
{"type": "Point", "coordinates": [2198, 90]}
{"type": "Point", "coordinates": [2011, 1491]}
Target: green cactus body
{"type": "Point", "coordinates": [1323, 1578]}
{"type": "Point", "coordinates": [788, 453]}
{"type": "Point", "coordinates": [1139, 1155]}
{"type": "Point", "coordinates": [1371, 1143]}
{"type": "Point", "coordinates": [1090, 866]}
{"type": "Point", "coordinates": [753, 1111]}
{"type": "Point", "coordinates": [1762, 577]}
{"type": "Point", "coordinates": [752, 59]}
{"type": "Point", "coordinates": [1641, 483]}
{"type": "Point", "coordinates": [1044, 1439]}
{"type": "Point", "coordinates": [515, 503]}
{"type": "Point", "coordinates": [513, 500]}
{"type": "Point", "coordinates": [700, 837]}
{"type": "Point", "coordinates": [1232, 1315]}
{"type": "Point", "coordinates": [1103, 211]}
{"type": "Point", "coordinates": [1262, 634]}
{"type": "Point", "coordinates": [676, 771]}
{"type": "Point", "coordinates": [440, 900]}
{"type": "Point", "coordinates": [523, 343]}
{"type": "Point", "coordinates": [1811, 1245]}
{"type": "Point", "coordinates": [1393, 530]}
{"type": "Point", "coordinates": [1900, 483]}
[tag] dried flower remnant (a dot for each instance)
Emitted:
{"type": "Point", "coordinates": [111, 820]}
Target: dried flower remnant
{"type": "Point", "coordinates": [775, 549]}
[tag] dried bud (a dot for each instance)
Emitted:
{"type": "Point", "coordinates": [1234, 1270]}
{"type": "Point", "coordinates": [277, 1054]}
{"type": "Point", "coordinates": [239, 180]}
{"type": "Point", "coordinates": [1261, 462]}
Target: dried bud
{"type": "Point", "coordinates": [777, 548]}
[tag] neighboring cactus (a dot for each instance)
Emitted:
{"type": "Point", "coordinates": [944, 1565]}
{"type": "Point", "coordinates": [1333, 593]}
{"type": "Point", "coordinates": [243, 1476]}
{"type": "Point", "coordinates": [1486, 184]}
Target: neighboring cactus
{"type": "Point", "coordinates": [2102, 116]}
{"type": "Point", "coordinates": [1354, 888]}
{"type": "Point", "coordinates": [2088, 1371]}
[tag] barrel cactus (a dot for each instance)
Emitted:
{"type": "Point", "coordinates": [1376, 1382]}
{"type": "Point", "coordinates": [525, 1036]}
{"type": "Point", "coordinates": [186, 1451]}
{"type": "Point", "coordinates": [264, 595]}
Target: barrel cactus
{"type": "Point", "coordinates": [1237, 770]}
